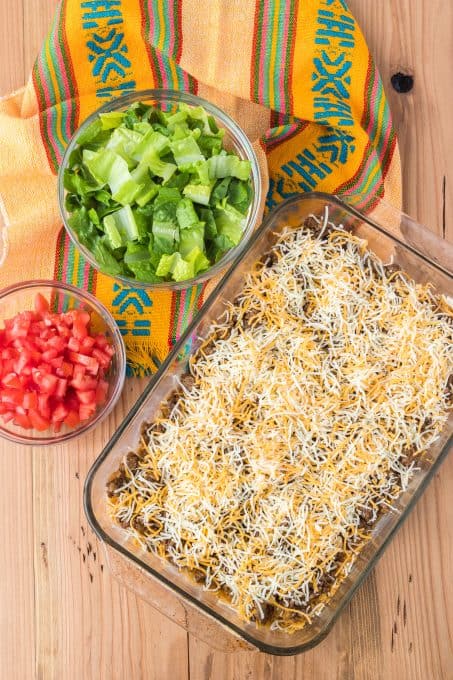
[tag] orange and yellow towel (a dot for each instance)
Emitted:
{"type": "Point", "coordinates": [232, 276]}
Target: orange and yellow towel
{"type": "Point", "coordinates": [295, 74]}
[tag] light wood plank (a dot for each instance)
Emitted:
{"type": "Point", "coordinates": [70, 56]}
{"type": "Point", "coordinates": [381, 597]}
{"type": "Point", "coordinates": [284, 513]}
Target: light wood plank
{"type": "Point", "coordinates": [17, 606]}
{"type": "Point", "coordinates": [13, 70]}
{"type": "Point", "coordinates": [38, 15]}
{"type": "Point", "coordinates": [416, 37]}
{"type": "Point", "coordinates": [17, 603]}
{"type": "Point", "coordinates": [87, 625]}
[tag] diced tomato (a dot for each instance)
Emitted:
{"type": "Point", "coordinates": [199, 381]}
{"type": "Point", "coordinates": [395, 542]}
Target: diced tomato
{"type": "Point", "coordinates": [71, 401]}
{"type": "Point", "coordinates": [61, 387]}
{"type": "Point", "coordinates": [36, 328]}
{"type": "Point", "coordinates": [101, 391]}
{"type": "Point", "coordinates": [41, 304]}
{"type": "Point", "coordinates": [57, 362]}
{"type": "Point", "coordinates": [51, 368]}
{"type": "Point", "coordinates": [24, 379]}
{"type": "Point", "coordinates": [41, 344]}
{"type": "Point", "coordinates": [59, 413]}
{"type": "Point", "coordinates": [90, 363]}
{"type": "Point", "coordinates": [45, 380]}
{"type": "Point", "coordinates": [100, 341]}
{"type": "Point", "coordinates": [49, 354]}
{"type": "Point", "coordinates": [63, 330]}
{"type": "Point", "coordinates": [87, 345]}
{"type": "Point", "coordinates": [20, 326]}
{"type": "Point", "coordinates": [57, 342]}
{"type": "Point", "coordinates": [49, 320]}
{"type": "Point", "coordinates": [78, 371]}
{"type": "Point", "coordinates": [46, 334]}
{"type": "Point", "coordinates": [11, 396]}
{"type": "Point", "coordinates": [108, 349]}
{"type": "Point", "coordinates": [44, 406]}
{"type": "Point", "coordinates": [38, 421]}
{"type": "Point", "coordinates": [86, 411]}
{"type": "Point", "coordinates": [9, 366]}
{"type": "Point", "coordinates": [88, 397]}
{"type": "Point", "coordinates": [65, 370]}
{"type": "Point", "coordinates": [30, 400]}
{"type": "Point", "coordinates": [73, 315]}
{"type": "Point", "coordinates": [21, 362]}
{"type": "Point", "coordinates": [12, 380]}
{"type": "Point", "coordinates": [73, 344]}
{"type": "Point", "coordinates": [79, 329]}
{"type": "Point", "coordinates": [102, 357]}
{"type": "Point", "coordinates": [84, 382]}
{"type": "Point", "coordinates": [22, 420]}
{"type": "Point", "coordinates": [68, 318]}
{"type": "Point", "coordinates": [72, 419]}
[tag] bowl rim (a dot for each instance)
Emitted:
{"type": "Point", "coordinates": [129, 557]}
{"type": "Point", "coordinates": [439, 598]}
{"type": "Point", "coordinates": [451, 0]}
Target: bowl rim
{"type": "Point", "coordinates": [161, 95]}
{"type": "Point", "coordinates": [120, 354]}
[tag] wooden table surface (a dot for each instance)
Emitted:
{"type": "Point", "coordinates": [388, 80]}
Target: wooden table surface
{"type": "Point", "coordinates": [63, 617]}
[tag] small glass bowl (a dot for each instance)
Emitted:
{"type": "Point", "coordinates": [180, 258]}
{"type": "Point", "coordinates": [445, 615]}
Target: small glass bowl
{"type": "Point", "coordinates": [20, 297]}
{"type": "Point", "coordinates": [235, 140]}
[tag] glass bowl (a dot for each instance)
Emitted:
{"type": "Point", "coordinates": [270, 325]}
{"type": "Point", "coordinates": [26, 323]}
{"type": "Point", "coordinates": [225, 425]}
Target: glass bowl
{"type": "Point", "coordinates": [62, 296]}
{"type": "Point", "coordinates": [235, 140]}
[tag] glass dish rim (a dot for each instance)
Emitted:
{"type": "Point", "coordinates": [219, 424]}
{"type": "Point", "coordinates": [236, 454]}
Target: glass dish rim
{"type": "Point", "coordinates": [161, 94]}
{"type": "Point", "coordinates": [104, 537]}
{"type": "Point", "coordinates": [119, 344]}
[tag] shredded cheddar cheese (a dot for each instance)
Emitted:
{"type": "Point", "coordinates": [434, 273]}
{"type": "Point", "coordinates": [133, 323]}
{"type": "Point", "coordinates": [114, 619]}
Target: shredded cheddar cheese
{"type": "Point", "coordinates": [309, 405]}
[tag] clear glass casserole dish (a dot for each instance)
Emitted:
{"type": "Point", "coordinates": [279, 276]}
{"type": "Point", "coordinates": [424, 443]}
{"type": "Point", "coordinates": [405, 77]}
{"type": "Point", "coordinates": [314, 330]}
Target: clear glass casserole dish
{"type": "Point", "coordinates": [395, 238]}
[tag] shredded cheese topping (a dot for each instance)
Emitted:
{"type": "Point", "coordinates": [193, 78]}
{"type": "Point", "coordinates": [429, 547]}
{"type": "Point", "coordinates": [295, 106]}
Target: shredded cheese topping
{"type": "Point", "coordinates": [311, 401]}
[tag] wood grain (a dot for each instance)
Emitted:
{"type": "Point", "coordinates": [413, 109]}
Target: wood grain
{"type": "Point", "coordinates": [85, 621]}
{"type": "Point", "coordinates": [17, 631]}
{"type": "Point", "coordinates": [62, 615]}
{"type": "Point", "coordinates": [416, 37]}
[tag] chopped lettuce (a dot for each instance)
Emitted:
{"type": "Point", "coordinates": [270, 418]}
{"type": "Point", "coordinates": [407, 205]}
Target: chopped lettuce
{"type": "Point", "coordinates": [230, 222]}
{"type": "Point", "coordinates": [191, 238]}
{"type": "Point", "coordinates": [220, 190]}
{"type": "Point", "coordinates": [180, 268]}
{"type": "Point", "coordinates": [107, 167]}
{"type": "Point", "coordinates": [228, 166]}
{"type": "Point", "coordinates": [154, 195]}
{"type": "Point", "coordinates": [186, 150]}
{"type": "Point", "coordinates": [186, 214]}
{"type": "Point", "coordinates": [199, 193]}
{"type": "Point", "coordinates": [110, 120]}
{"type": "Point", "coordinates": [207, 217]}
{"type": "Point", "coordinates": [136, 253]}
{"type": "Point", "coordinates": [239, 195]}
{"type": "Point", "coordinates": [106, 260]}
{"type": "Point", "coordinates": [120, 227]}
{"type": "Point", "coordinates": [123, 142]}
{"type": "Point", "coordinates": [151, 144]}
{"type": "Point", "coordinates": [219, 246]}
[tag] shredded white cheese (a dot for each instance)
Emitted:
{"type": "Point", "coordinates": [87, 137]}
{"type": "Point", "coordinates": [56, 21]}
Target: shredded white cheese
{"type": "Point", "coordinates": [312, 400]}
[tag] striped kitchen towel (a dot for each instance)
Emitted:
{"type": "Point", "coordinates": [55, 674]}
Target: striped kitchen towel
{"type": "Point", "coordinates": [296, 75]}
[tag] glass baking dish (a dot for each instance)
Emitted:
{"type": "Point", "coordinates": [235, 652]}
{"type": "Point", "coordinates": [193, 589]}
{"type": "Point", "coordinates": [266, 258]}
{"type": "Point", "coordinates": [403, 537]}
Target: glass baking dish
{"type": "Point", "coordinates": [395, 238]}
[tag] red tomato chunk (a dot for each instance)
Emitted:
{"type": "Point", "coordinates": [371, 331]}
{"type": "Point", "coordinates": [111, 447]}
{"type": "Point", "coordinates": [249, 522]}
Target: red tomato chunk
{"type": "Point", "coordinates": [52, 369]}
